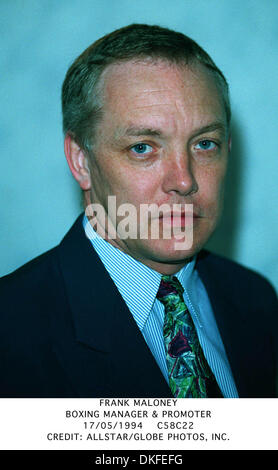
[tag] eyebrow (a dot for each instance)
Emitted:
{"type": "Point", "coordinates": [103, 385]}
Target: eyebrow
{"type": "Point", "coordinates": [218, 125]}
{"type": "Point", "coordinates": [135, 131]}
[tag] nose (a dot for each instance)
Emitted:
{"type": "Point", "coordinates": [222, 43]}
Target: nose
{"type": "Point", "coordinates": [179, 175]}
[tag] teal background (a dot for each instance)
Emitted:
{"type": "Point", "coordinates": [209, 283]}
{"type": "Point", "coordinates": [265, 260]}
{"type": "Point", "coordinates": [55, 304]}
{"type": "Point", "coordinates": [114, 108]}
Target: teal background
{"type": "Point", "coordinates": [40, 39]}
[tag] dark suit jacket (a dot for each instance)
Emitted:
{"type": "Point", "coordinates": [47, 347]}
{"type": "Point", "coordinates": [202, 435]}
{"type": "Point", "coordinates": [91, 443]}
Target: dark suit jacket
{"type": "Point", "coordinates": [66, 332]}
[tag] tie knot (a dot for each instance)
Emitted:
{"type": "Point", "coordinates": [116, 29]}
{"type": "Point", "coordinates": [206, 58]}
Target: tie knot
{"type": "Point", "coordinates": [169, 286]}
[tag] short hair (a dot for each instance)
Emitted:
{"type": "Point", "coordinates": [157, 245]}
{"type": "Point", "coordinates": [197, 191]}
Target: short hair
{"type": "Point", "coordinates": [81, 104]}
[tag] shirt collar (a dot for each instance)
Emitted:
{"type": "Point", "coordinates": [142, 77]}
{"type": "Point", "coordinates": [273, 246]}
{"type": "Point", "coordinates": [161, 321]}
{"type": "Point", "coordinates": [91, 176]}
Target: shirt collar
{"type": "Point", "coordinates": [133, 279]}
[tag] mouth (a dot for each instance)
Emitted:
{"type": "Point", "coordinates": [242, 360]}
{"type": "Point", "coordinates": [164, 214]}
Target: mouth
{"type": "Point", "coordinates": [179, 219]}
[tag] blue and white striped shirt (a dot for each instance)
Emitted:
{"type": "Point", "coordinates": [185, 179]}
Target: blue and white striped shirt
{"type": "Point", "coordinates": [138, 285]}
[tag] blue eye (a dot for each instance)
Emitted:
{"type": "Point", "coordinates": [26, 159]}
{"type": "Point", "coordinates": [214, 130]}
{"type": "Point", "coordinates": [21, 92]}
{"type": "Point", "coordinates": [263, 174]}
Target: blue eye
{"type": "Point", "coordinates": [141, 148]}
{"type": "Point", "coordinates": [206, 145]}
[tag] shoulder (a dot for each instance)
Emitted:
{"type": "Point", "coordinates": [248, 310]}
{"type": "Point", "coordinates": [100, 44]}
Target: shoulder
{"type": "Point", "coordinates": [36, 276]}
{"type": "Point", "coordinates": [37, 292]}
{"type": "Point", "coordinates": [29, 276]}
{"type": "Point", "coordinates": [28, 292]}
{"type": "Point", "coordinates": [242, 285]}
{"type": "Point", "coordinates": [241, 281]}
{"type": "Point", "coordinates": [229, 268]}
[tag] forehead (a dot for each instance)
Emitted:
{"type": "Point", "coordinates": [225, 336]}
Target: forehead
{"type": "Point", "coordinates": [161, 91]}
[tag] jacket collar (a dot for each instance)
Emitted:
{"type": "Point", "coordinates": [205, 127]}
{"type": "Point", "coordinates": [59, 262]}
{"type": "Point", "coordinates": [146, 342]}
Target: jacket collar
{"type": "Point", "coordinates": [88, 289]}
{"type": "Point", "coordinates": [91, 290]}
{"type": "Point", "coordinates": [103, 322]}
{"type": "Point", "coordinates": [230, 319]}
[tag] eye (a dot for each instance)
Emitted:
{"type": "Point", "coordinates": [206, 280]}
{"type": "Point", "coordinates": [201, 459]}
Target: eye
{"type": "Point", "coordinates": [141, 148]}
{"type": "Point", "coordinates": [206, 144]}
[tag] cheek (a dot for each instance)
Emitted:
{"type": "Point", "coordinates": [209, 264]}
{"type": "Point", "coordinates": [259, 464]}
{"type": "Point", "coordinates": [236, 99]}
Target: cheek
{"type": "Point", "coordinates": [140, 189]}
{"type": "Point", "coordinates": [129, 185]}
{"type": "Point", "coordinates": [132, 184]}
{"type": "Point", "coordinates": [105, 175]}
{"type": "Point", "coordinates": [211, 188]}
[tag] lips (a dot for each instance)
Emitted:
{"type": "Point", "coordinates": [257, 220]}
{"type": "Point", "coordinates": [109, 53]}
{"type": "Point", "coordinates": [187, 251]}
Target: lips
{"type": "Point", "coordinates": [179, 218]}
{"type": "Point", "coordinates": [175, 219]}
{"type": "Point", "coordinates": [179, 214]}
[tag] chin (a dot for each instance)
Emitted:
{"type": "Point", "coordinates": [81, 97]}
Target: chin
{"type": "Point", "coordinates": [167, 252]}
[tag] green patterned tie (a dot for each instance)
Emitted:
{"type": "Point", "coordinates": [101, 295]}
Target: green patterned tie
{"type": "Point", "coordinates": [189, 373]}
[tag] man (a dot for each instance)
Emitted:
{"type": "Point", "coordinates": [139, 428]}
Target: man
{"type": "Point", "coordinates": [114, 311]}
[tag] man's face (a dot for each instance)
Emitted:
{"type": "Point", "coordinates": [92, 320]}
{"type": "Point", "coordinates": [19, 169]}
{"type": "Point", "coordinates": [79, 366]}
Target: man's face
{"type": "Point", "coordinates": [163, 139]}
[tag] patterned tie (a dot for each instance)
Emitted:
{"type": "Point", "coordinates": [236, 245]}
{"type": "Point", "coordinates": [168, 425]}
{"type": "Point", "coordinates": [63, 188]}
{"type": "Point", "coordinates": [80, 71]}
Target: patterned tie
{"type": "Point", "coordinates": [189, 373]}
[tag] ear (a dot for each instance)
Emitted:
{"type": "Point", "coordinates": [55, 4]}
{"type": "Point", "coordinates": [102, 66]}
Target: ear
{"type": "Point", "coordinates": [78, 162]}
{"type": "Point", "coordinates": [230, 143]}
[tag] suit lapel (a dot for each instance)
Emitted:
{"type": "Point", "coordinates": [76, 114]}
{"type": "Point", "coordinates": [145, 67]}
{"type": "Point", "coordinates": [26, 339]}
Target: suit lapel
{"type": "Point", "coordinates": [134, 370]}
{"type": "Point", "coordinates": [230, 320]}
{"type": "Point", "coordinates": [102, 351]}
{"type": "Point", "coordinates": [104, 327]}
